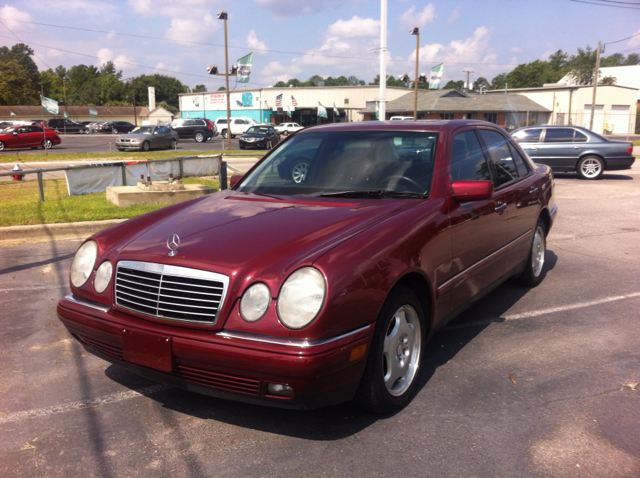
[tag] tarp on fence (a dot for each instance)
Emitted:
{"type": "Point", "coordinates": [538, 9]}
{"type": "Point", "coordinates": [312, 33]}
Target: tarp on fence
{"type": "Point", "coordinates": [97, 177]}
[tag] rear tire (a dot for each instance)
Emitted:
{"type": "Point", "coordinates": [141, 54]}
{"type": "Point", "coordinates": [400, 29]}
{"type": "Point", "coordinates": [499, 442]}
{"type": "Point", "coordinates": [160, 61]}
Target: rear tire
{"type": "Point", "coordinates": [174, 143]}
{"type": "Point", "coordinates": [224, 133]}
{"type": "Point", "coordinates": [532, 274]}
{"type": "Point", "coordinates": [114, 131]}
{"type": "Point", "coordinates": [590, 167]}
{"type": "Point", "coordinates": [390, 379]}
{"type": "Point", "coordinates": [47, 144]}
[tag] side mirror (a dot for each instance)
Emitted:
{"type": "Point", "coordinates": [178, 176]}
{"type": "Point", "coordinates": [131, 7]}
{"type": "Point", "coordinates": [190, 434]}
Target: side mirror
{"type": "Point", "coordinates": [235, 179]}
{"type": "Point", "coordinates": [466, 191]}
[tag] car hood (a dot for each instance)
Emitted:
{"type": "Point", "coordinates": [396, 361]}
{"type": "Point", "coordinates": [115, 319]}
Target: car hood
{"type": "Point", "coordinates": [254, 135]}
{"type": "Point", "coordinates": [248, 236]}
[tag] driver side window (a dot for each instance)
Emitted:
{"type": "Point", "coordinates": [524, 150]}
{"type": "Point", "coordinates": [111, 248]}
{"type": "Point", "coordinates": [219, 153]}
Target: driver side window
{"type": "Point", "coordinates": [467, 159]}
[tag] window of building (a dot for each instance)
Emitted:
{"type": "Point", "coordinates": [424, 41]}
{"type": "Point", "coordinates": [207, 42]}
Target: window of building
{"type": "Point", "coordinates": [491, 117]}
{"type": "Point", "coordinates": [346, 101]}
{"type": "Point", "coordinates": [446, 116]}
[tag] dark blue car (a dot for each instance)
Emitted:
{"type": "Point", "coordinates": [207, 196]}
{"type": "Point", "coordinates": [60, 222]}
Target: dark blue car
{"type": "Point", "coordinates": [573, 148]}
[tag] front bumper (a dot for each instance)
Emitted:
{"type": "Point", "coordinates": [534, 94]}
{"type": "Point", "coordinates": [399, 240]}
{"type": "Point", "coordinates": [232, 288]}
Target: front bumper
{"type": "Point", "coordinates": [222, 363]}
{"type": "Point", "coordinates": [129, 146]}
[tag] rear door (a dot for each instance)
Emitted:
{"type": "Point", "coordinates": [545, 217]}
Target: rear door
{"type": "Point", "coordinates": [514, 179]}
{"type": "Point", "coordinates": [478, 228]}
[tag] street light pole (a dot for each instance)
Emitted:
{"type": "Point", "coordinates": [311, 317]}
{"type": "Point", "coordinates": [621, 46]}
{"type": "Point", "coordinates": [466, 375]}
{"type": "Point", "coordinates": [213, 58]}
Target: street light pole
{"type": "Point", "coordinates": [222, 15]}
{"type": "Point", "coordinates": [595, 86]}
{"type": "Point", "coordinates": [416, 31]}
{"type": "Point", "coordinates": [64, 89]}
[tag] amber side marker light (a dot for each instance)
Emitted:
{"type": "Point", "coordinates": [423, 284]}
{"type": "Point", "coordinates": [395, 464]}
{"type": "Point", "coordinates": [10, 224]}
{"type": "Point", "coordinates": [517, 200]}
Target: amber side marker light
{"type": "Point", "coordinates": [357, 352]}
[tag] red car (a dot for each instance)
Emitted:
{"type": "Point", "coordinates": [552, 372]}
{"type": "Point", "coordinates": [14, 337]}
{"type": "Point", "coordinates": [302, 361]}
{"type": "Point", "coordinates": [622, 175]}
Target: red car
{"type": "Point", "coordinates": [28, 136]}
{"type": "Point", "coordinates": [307, 293]}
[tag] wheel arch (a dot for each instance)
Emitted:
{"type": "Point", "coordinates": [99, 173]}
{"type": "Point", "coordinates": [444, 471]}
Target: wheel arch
{"type": "Point", "coordinates": [546, 220]}
{"type": "Point", "coordinates": [420, 286]}
{"type": "Point", "coordinates": [590, 153]}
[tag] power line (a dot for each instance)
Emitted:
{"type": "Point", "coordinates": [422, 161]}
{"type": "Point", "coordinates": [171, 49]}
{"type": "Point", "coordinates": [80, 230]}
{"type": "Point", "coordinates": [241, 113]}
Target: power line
{"type": "Point", "coordinates": [618, 41]}
{"type": "Point", "coordinates": [606, 5]}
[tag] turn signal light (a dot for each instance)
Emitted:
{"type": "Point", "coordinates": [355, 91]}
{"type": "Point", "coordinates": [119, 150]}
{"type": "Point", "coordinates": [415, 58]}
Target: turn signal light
{"type": "Point", "coordinates": [357, 352]}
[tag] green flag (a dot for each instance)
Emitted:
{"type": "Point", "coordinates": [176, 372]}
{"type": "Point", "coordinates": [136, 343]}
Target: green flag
{"type": "Point", "coordinates": [289, 111]}
{"type": "Point", "coordinates": [322, 111]}
{"type": "Point", "coordinates": [13, 115]}
{"type": "Point", "coordinates": [66, 115]}
{"type": "Point", "coordinates": [436, 76]}
{"type": "Point", "coordinates": [335, 110]}
{"type": "Point", "coordinates": [93, 113]}
{"type": "Point", "coordinates": [377, 110]}
{"type": "Point", "coordinates": [50, 105]}
{"type": "Point", "coordinates": [244, 68]}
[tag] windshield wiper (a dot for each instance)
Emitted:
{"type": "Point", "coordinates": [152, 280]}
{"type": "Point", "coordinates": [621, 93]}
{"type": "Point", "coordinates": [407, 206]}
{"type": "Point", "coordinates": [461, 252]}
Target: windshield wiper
{"type": "Point", "coordinates": [374, 193]}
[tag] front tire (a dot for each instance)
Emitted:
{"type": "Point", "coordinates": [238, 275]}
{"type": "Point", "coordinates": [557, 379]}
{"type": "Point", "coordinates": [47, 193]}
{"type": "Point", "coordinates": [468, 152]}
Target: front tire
{"type": "Point", "coordinates": [224, 133]}
{"type": "Point", "coordinates": [47, 144]}
{"type": "Point", "coordinates": [390, 379]}
{"type": "Point", "coordinates": [145, 146]}
{"type": "Point", "coordinates": [2, 146]}
{"type": "Point", "coordinates": [174, 143]}
{"type": "Point", "coordinates": [590, 167]}
{"type": "Point", "coordinates": [199, 137]}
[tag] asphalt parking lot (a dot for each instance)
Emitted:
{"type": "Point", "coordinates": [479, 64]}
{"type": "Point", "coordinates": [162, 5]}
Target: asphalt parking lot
{"type": "Point", "coordinates": [527, 383]}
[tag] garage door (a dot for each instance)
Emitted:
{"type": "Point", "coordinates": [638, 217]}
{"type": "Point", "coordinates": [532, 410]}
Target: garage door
{"type": "Point", "coordinates": [619, 119]}
{"type": "Point", "coordinates": [598, 119]}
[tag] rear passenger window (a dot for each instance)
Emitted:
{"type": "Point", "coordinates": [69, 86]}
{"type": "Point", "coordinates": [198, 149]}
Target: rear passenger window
{"type": "Point", "coordinates": [467, 158]}
{"type": "Point", "coordinates": [580, 138]}
{"type": "Point", "coordinates": [558, 135]}
{"type": "Point", "coordinates": [500, 156]}
{"type": "Point", "coordinates": [519, 161]}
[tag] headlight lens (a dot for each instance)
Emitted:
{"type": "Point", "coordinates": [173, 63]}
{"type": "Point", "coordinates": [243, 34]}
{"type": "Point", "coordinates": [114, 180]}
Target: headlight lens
{"type": "Point", "coordinates": [255, 302]}
{"type": "Point", "coordinates": [103, 277]}
{"type": "Point", "coordinates": [83, 263]}
{"type": "Point", "coordinates": [301, 297]}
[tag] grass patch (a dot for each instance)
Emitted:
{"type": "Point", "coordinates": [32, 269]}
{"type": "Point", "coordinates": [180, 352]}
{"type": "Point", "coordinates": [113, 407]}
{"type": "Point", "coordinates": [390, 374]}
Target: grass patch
{"type": "Point", "coordinates": [636, 142]}
{"type": "Point", "coordinates": [21, 205]}
{"type": "Point", "coordinates": [23, 156]}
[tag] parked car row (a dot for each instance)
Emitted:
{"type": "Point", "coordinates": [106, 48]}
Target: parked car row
{"type": "Point", "coordinates": [28, 136]}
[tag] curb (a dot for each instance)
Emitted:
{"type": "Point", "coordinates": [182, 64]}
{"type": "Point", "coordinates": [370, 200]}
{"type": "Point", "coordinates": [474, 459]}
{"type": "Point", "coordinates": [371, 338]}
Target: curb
{"type": "Point", "coordinates": [52, 232]}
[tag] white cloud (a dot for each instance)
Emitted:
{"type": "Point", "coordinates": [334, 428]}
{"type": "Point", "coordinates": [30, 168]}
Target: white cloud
{"type": "Point", "coordinates": [13, 18]}
{"type": "Point", "coordinates": [635, 41]}
{"type": "Point", "coordinates": [356, 27]}
{"type": "Point", "coordinates": [253, 42]}
{"type": "Point", "coordinates": [275, 71]}
{"type": "Point", "coordinates": [192, 29]}
{"type": "Point", "coordinates": [120, 61]}
{"type": "Point", "coordinates": [411, 18]}
{"type": "Point", "coordinates": [162, 66]}
{"type": "Point", "coordinates": [515, 49]}
{"type": "Point", "coordinates": [282, 9]}
{"type": "Point", "coordinates": [455, 15]}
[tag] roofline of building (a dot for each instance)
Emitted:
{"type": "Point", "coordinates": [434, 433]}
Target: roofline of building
{"type": "Point", "coordinates": [290, 88]}
{"type": "Point", "coordinates": [559, 87]}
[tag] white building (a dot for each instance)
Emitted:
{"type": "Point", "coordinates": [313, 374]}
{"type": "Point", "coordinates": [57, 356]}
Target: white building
{"type": "Point", "coordinates": [269, 105]}
{"type": "Point", "coordinates": [615, 106]}
{"type": "Point", "coordinates": [624, 75]}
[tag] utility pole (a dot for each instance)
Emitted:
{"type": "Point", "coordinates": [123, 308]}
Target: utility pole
{"type": "Point", "coordinates": [595, 85]}
{"type": "Point", "coordinates": [382, 99]}
{"type": "Point", "coordinates": [468, 72]}
{"type": "Point", "coordinates": [133, 87]}
{"type": "Point", "coordinates": [416, 31]}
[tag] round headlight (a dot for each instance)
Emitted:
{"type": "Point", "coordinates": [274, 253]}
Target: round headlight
{"type": "Point", "coordinates": [103, 277]}
{"type": "Point", "coordinates": [255, 302]}
{"type": "Point", "coordinates": [301, 297]}
{"type": "Point", "coordinates": [83, 263]}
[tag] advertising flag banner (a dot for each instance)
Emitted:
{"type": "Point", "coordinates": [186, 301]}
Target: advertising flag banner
{"type": "Point", "coordinates": [66, 115]}
{"type": "Point", "coordinates": [377, 110]}
{"type": "Point", "coordinates": [335, 110]}
{"type": "Point", "coordinates": [436, 76]}
{"type": "Point", "coordinates": [13, 115]}
{"type": "Point", "coordinates": [279, 100]}
{"type": "Point", "coordinates": [50, 105]}
{"type": "Point", "coordinates": [93, 113]}
{"type": "Point", "coordinates": [244, 68]}
{"type": "Point", "coordinates": [289, 111]}
{"type": "Point", "coordinates": [322, 111]}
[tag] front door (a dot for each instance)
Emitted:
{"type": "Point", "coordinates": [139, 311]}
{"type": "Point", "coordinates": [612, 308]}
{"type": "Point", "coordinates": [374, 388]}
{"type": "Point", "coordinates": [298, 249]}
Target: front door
{"type": "Point", "coordinates": [558, 149]}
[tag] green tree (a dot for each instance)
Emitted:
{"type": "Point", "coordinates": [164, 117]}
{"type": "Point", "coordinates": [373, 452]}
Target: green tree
{"type": "Point", "coordinates": [499, 81]}
{"type": "Point", "coordinates": [16, 87]}
{"type": "Point", "coordinates": [530, 75]}
{"type": "Point", "coordinates": [168, 107]}
{"type": "Point", "coordinates": [199, 89]}
{"type": "Point", "coordinates": [454, 85]}
{"type": "Point", "coordinates": [608, 80]}
{"type": "Point", "coordinates": [633, 59]}
{"type": "Point", "coordinates": [22, 54]}
{"type": "Point", "coordinates": [582, 66]}
{"type": "Point", "coordinates": [315, 80]}
{"type": "Point", "coordinates": [391, 81]}
{"type": "Point", "coordinates": [353, 81]}
{"type": "Point", "coordinates": [617, 59]}
{"type": "Point", "coordinates": [51, 85]}
{"type": "Point", "coordinates": [167, 89]}
{"type": "Point", "coordinates": [481, 82]}
{"type": "Point", "coordinates": [83, 87]}
{"type": "Point", "coordinates": [559, 61]}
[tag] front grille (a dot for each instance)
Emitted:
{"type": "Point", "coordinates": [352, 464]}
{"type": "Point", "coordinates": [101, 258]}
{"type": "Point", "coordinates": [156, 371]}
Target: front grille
{"type": "Point", "coordinates": [106, 349]}
{"type": "Point", "coordinates": [170, 292]}
{"type": "Point", "coordinates": [221, 381]}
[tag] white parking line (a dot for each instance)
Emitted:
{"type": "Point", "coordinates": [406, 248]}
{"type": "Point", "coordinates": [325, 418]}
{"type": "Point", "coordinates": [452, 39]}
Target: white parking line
{"type": "Point", "coordinates": [81, 404]}
{"type": "Point", "coordinates": [539, 312]}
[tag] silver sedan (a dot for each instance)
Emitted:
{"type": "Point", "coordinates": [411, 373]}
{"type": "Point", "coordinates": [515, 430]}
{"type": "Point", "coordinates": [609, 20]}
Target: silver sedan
{"type": "Point", "coordinates": [144, 138]}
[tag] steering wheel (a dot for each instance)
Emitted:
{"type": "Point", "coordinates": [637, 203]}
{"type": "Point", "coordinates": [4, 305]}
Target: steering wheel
{"type": "Point", "coordinates": [413, 186]}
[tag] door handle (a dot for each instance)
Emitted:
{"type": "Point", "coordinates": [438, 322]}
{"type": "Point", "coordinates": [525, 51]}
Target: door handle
{"type": "Point", "coordinates": [577, 147]}
{"type": "Point", "coordinates": [500, 207]}
{"type": "Point", "coordinates": [533, 191]}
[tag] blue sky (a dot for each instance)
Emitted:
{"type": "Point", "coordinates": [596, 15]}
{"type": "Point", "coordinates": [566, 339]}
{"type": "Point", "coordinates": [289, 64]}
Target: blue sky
{"type": "Point", "coordinates": [301, 38]}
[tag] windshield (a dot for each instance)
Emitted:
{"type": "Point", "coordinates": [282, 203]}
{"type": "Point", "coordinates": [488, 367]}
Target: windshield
{"type": "Point", "coordinates": [143, 130]}
{"type": "Point", "coordinates": [348, 163]}
{"type": "Point", "coordinates": [258, 130]}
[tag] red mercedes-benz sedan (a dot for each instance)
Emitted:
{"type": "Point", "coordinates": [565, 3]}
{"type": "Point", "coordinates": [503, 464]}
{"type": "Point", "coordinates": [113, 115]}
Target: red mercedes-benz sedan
{"type": "Point", "coordinates": [309, 292]}
{"type": "Point", "coordinates": [28, 136]}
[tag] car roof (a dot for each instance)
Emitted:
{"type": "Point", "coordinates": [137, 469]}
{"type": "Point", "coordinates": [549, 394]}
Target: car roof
{"type": "Point", "coordinates": [420, 125]}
